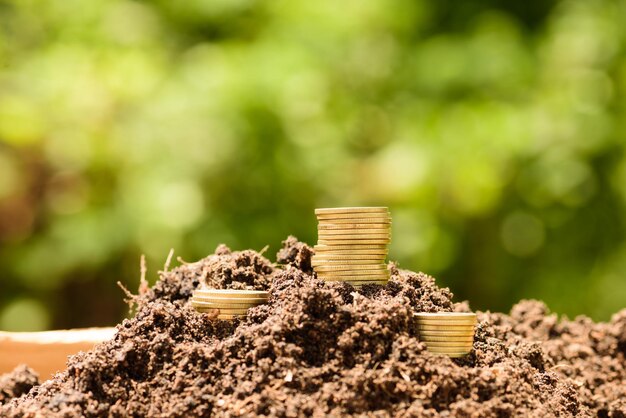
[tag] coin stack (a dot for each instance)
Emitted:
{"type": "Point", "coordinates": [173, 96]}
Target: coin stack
{"type": "Point", "coordinates": [448, 333]}
{"type": "Point", "coordinates": [228, 304]}
{"type": "Point", "coordinates": [352, 245]}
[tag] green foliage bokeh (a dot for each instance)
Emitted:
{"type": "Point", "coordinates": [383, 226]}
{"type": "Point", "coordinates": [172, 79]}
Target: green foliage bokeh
{"type": "Point", "coordinates": [493, 131]}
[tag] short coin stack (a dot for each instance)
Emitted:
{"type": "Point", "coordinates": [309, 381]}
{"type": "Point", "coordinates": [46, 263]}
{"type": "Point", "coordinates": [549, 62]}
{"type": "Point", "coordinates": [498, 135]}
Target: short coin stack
{"type": "Point", "coordinates": [228, 304]}
{"type": "Point", "coordinates": [352, 245]}
{"type": "Point", "coordinates": [448, 333]}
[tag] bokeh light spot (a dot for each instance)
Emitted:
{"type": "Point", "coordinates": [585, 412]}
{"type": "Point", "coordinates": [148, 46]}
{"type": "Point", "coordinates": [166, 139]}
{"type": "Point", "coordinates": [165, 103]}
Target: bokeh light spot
{"type": "Point", "coordinates": [24, 314]}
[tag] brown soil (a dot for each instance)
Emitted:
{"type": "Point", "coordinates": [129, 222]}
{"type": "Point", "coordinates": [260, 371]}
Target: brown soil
{"type": "Point", "coordinates": [17, 383]}
{"type": "Point", "coordinates": [323, 349]}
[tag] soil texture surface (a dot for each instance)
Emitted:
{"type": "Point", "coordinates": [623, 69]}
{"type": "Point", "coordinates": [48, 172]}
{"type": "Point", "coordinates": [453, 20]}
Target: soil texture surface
{"type": "Point", "coordinates": [325, 349]}
{"type": "Point", "coordinates": [17, 383]}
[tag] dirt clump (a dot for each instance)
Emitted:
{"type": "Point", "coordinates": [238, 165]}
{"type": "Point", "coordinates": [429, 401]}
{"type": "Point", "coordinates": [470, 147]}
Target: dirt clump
{"type": "Point", "coordinates": [324, 349]}
{"type": "Point", "coordinates": [225, 269]}
{"type": "Point", "coordinates": [17, 383]}
{"type": "Point", "coordinates": [296, 254]}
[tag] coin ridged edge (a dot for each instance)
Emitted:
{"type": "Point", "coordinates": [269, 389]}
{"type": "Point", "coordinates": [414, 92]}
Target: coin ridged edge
{"type": "Point", "coordinates": [351, 251]}
{"type": "Point", "coordinates": [352, 209]}
{"type": "Point", "coordinates": [202, 304]}
{"type": "Point", "coordinates": [460, 340]}
{"type": "Point", "coordinates": [233, 293]}
{"type": "Point", "coordinates": [445, 315]}
{"type": "Point", "coordinates": [322, 226]}
{"type": "Point", "coordinates": [378, 218]}
{"type": "Point", "coordinates": [351, 267]}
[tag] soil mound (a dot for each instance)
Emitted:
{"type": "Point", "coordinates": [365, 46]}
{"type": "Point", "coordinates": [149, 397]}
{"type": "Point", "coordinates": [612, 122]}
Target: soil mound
{"type": "Point", "coordinates": [17, 383]}
{"type": "Point", "coordinates": [320, 349]}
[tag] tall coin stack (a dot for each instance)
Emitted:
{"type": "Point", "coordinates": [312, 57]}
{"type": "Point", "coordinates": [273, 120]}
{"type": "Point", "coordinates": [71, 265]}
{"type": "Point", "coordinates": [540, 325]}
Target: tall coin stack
{"type": "Point", "coordinates": [228, 304]}
{"type": "Point", "coordinates": [448, 333]}
{"type": "Point", "coordinates": [352, 245]}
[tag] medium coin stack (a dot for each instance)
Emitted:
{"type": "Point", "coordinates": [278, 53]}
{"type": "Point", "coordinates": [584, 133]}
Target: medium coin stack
{"type": "Point", "coordinates": [352, 245]}
{"type": "Point", "coordinates": [228, 304]}
{"type": "Point", "coordinates": [448, 333]}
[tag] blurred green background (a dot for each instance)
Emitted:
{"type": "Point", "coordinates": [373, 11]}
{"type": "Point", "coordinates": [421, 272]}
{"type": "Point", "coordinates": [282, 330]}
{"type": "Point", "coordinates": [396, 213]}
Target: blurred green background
{"type": "Point", "coordinates": [494, 131]}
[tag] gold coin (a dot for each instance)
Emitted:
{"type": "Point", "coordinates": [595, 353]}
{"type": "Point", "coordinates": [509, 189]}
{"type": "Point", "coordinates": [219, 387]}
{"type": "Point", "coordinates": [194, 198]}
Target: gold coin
{"type": "Point", "coordinates": [360, 282]}
{"type": "Point", "coordinates": [355, 212]}
{"type": "Point", "coordinates": [354, 209]}
{"type": "Point", "coordinates": [195, 302]}
{"type": "Point", "coordinates": [206, 310]}
{"type": "Point", "coordinates": [355, 273]}
{"type": "Point", "coordinates": [324, 226]}
{"type": "Point", "coordinates": [321, 235]}
{"type": "Point", "coordinates": [356, 279]}
{"type": "Point", "coordinates": [448, 350]}
{"type": "Point", "coordinates": [375, 280]}
{"type": "Point", "coordinates": [374, 262]}
{"type": "Point", "coordinates": [446, 327]}
{"type": "Point", "coordinates": [447, 344]}
{"type": "Point", "coordinates": [452, 355]}
{"type": "Point", "coordinates": [353, 250]}
{"type": "Point", "coordinates": [455, 353]}
{"type": "Point", "coordinates": [352, 275]}
{"type": "Point", "coordinates": [336, 246]}
{"type": "Point", "coordinates": [211, 298]}
{"type": "Point", "coordinates": [223, 311]}
{"type": "Point", "coordinates": [445, 323]}
{"type": "Point", "coordinates": [233, 293]}
{"type": "Point", "coordinates": [348, 236]}
{"type": "Point", "coordinates": [362, 242]}
{"type": "Point", "coordinates": [382, 217]}
{"type": "Point", "coordinates": [458, 339]}
{"type": "Point", "coordinates": [383, 237]}
{"type": "Point", "coordinates": [444, 316]}
{"type": "Point", "coordinates": [448, 319]}
{"type": "Point", "coordinates": [447, 334]}
{"type": "Point", "coordinates": [323, 250]}
{"type": "Point", "coordinates": [351, 267]}
{"type": "Point", "coordinates": [349, 255]}
{"type": "Point", "coordinates": [224, 301]}
{"type": "Point", "coordinates": [211, 293]}
{"type": "Point", "coordinates": [227, 305]}
{"type": "Point", "coordinates": [355, 231]}
{"type": "Point", "coordinates": [350, 223]}
{"type": "Point", "coordinates": [327, 256]}
{"type": "Point", "coordinates": [346, 265]}
{"type": "Point", "coordinates": [233, 311]}
{"type": "Point", "coordinates": [450, 327]}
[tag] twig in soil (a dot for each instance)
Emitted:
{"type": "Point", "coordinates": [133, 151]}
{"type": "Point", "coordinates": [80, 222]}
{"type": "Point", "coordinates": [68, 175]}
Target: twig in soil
{"type": "Point", "coordinates": [166, 267]}
{"type": "Point", "coordinates": [143, 283]}
{"type": "Point", "coordinates": [561, 366]}
{"type": "Point", "coordinates": [264, 249]}
{"type": "Point", "coordinates": [130, 298]}
{"type": "Point", "coordinates": [187, 263]}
